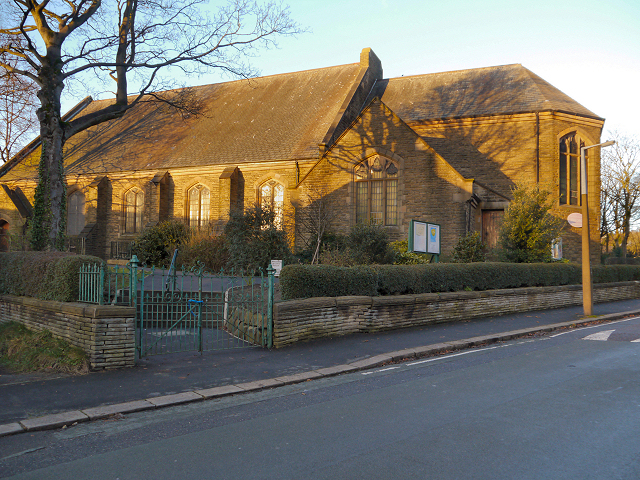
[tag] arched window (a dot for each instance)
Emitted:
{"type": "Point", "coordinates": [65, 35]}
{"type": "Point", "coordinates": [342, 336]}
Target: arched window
{"type": "Point", "coordinates": [272, 197]}
{"type": "Point", "coordinates": [377, 191]}
{"type": "Point", "coordinates": [569, 179]}
{"type": "Point", "coordinates": [75, 213]}
{"type": "Point", "coordinates": [133, 206]}
{"type": "Point", "coordinates": [199, 201]}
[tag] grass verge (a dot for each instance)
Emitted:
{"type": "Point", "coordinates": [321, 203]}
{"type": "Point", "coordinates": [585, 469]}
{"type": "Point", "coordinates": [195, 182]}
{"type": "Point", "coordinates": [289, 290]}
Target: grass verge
{"type": "Point", "coordinates": [23, 350]}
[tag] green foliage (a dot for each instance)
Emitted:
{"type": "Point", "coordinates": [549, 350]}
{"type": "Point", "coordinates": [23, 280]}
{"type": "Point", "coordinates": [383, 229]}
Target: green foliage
{"type": "Point", "coordinates": [40, 222]}
{"type": "Point", "coordinates": [304, 281]}
{"type": "Point", "coordinates": [369, 243]}
{"type": "Point", "coordinates": [469, 249]}
{"type": "Point", "coordinates": [204, 249]}
{"type": "Point", "coordinates": [366, 244]}
{"type": "Point", "coordinates": [404, 257]}
{"type": "Point", "coordinates": [23, 350]}
{"type": "Point", "coordinates": [252, 239]}
{"type": "Point", "coordinates": [528, 229]}
{"type": "Point", "coordinates": [44, 275]}
{"type": "Point", "coordinates": [156, 244]}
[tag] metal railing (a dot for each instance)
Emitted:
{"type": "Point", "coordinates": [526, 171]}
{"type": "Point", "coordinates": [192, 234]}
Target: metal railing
{"type": "Point", "coordinates": [186, 310]}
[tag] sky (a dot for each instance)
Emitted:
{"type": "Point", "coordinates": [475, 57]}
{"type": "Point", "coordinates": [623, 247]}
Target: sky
{"type": "Point", "coordinates": [588, 49]}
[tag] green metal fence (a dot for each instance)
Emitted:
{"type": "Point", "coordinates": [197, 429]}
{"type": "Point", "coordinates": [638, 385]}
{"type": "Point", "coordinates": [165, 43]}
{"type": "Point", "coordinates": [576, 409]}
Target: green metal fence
{"type": "Point", "coordinates": [178, 311]}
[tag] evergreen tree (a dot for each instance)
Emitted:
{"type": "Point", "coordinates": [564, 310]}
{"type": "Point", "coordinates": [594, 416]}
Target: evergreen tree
{"type": "Point", "coordinates": [528, 229]}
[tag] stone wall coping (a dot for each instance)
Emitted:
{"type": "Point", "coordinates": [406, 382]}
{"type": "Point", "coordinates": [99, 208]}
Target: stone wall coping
{"type": "Point", "coordinates": [353, 300]}
{"type": "Point", "coordinates": [73, 308]}
{"type": "Point", "coordinates": [393, 300]}
{"type": "Point", "coordinates": [323, 302]}
{"type": "Point", "coordinates": [306, 304]}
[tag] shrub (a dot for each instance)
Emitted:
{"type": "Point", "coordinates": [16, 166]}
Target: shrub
{"type": "Point", "coordinates": [369, 243]}
{"type": "Point", "coordinates": [156, 244]}
{"type": "Point", "coordinates": [303, 281]}
{"type": "Point", "coordinates": [253, 240]}
{"type": "Point", "coordinates": [404, 257]}
{"type": "Point", "coordinates": [44, 275]}
{"type": "Point", "coordinates": [528, 229]}
{"type": "Point", "coordinates": [208, 250]}
{"type": "Point", "coordinates": [468, 249]}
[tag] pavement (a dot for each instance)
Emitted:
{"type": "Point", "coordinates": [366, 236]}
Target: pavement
{"type": "Point", "coordinates": [45, 401]}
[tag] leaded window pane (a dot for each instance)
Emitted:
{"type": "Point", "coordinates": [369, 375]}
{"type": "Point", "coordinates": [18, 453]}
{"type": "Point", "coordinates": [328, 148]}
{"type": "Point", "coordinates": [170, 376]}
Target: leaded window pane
{"type": "Point", "coordinates": [130, 212]}
{"type": "Point", "coordinates": [205, 202]}
{"type": "Point", "coordinates": [278, 205]}
{"type": "Point", "coordinates": [377, 191]}
{"type": "Point", "coordinates": [392, 202]}
{"type": "Point", "coordinates": [362, 197]}
{"type": "Point", "coordinates": [75, 213]}
{"type": "Point", "coordinates": [194, 207]}
{"type": "Point", "coordinates": [377, 210]}
{"type": "Point", "coordinates": [139, 206]}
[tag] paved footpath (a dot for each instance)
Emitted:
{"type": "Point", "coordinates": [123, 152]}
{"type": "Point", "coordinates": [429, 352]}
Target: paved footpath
{"type": "Point", "coordinates": [39, 401]}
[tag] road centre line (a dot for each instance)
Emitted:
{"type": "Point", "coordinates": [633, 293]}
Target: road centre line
{"type": "Point", "coordinates": [444, 357]}
{"type": "Point", "coordinates": [593, 326]}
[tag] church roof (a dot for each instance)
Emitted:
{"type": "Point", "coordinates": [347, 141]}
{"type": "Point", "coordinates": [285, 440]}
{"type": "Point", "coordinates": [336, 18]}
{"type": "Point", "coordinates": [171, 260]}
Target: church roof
{"type": "Point", "coordinates": [279, 117]}
{"type": "Point", "coordinates": [498, 90]}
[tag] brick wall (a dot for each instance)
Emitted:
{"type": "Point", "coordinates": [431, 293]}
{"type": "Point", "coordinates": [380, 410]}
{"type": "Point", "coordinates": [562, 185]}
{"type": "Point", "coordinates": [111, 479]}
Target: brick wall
{"type": "Point", "coordinates": [301, 320]}
{"type": "Point", "coordinates": [105, 332]}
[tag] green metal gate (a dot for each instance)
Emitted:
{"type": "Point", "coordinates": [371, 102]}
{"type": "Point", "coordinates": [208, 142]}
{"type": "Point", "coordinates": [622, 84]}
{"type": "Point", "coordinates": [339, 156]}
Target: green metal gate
{"type": "Point", "coordinates": [188, 310]}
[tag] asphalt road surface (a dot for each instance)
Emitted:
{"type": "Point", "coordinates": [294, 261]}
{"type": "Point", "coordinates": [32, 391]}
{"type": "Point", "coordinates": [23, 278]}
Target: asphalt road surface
{"type": "Point", "coordinates": [563, 406]}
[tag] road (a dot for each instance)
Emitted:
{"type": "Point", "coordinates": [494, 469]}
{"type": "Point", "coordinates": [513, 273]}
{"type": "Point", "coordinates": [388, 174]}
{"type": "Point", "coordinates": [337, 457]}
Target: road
{"type": "Point", "coordinates": [563, 406]}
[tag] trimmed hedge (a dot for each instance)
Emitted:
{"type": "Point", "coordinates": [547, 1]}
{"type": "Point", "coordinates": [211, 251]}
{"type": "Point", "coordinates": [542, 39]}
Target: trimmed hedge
{"type": "Point", "coordinates": [44, 275]}
{"type": "Point", "coordinates": [305, 281]}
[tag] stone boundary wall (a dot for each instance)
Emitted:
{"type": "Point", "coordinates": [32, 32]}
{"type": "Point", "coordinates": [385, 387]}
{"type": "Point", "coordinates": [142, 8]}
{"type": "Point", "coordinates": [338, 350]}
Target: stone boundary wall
{"type": "Point", "coordinates": [105, 332]}
{"type": "Point", "coordinates": [301, 320]}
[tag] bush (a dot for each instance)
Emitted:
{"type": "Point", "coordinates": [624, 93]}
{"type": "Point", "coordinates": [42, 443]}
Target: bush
{"type": "Point", "coordinates": [469, 249]}
{"type": "Point", "coordinates": [369, 243]}
{"type": "Point", "coordinates": [404, 257]}
{"type": "Point", "coordinates": [156, 244]}
{"type": "Point", "coordinates": [528, 229]}
{"type": "Point", "coordinates": [252, 239]}
{"type": "Point", "coordinates": [366, 244]}
{"type": "Point", "coordinates": [304, 281]}
{"type": "Point", "coordinates": [208, 250]}
{"type": "Point", "coordinates": [44, 275]}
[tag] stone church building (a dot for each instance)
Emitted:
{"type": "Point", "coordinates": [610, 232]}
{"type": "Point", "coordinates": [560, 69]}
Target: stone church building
{"type": "Point", "coordinates": [445, 148]}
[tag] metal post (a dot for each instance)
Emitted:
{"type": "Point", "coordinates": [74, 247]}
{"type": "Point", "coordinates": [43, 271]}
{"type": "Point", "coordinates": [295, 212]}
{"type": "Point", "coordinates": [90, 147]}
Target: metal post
{"type": "Point", "coordinates": [587, 289]}
{"type": "Point", "coordinates": [270, 274]}
{"type": "Point", "coordinates": [199, 310]}
{"type": "Point", "coordinates": [133, 300]}
{"type": "Point", "coordinates": [101, 287]}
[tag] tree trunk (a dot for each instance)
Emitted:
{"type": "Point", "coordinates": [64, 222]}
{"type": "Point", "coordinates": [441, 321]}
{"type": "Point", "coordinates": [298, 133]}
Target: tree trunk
{"type": "Point", "coordinates": [52, 135]}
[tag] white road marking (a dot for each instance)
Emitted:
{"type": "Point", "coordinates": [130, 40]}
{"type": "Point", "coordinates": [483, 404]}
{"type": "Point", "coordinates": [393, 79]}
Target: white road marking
{"type": "Point", "coordinates": [602, 336]}
{"type": "Point", "coordinates": [452, 355]}
{"type": "Point", "coordinates": [592, 326]}
{"type": "Point", "coordinates": [378, 371]}
{"type": "Point", "coordinates": [636, 341]}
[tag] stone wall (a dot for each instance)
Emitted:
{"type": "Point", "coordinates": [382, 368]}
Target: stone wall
{"type": "Point", "coordinates": [301, 320]}
{"type": "Point", "coordinates": [105, 332]}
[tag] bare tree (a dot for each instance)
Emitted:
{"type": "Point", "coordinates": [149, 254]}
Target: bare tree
{"type": "Point", "coordinates": [138, 44]}
{"type": "Point", "coordinates": [620, 189]}
{"type": "Point", "coordinates": [18, 100]}
{"type": "Point", "coordinates": [314, 219]}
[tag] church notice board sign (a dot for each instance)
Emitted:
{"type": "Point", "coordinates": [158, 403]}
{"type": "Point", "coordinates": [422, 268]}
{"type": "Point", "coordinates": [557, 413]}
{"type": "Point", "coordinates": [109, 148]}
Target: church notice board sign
{"type": "Point", "coordinates": [424, 237]}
